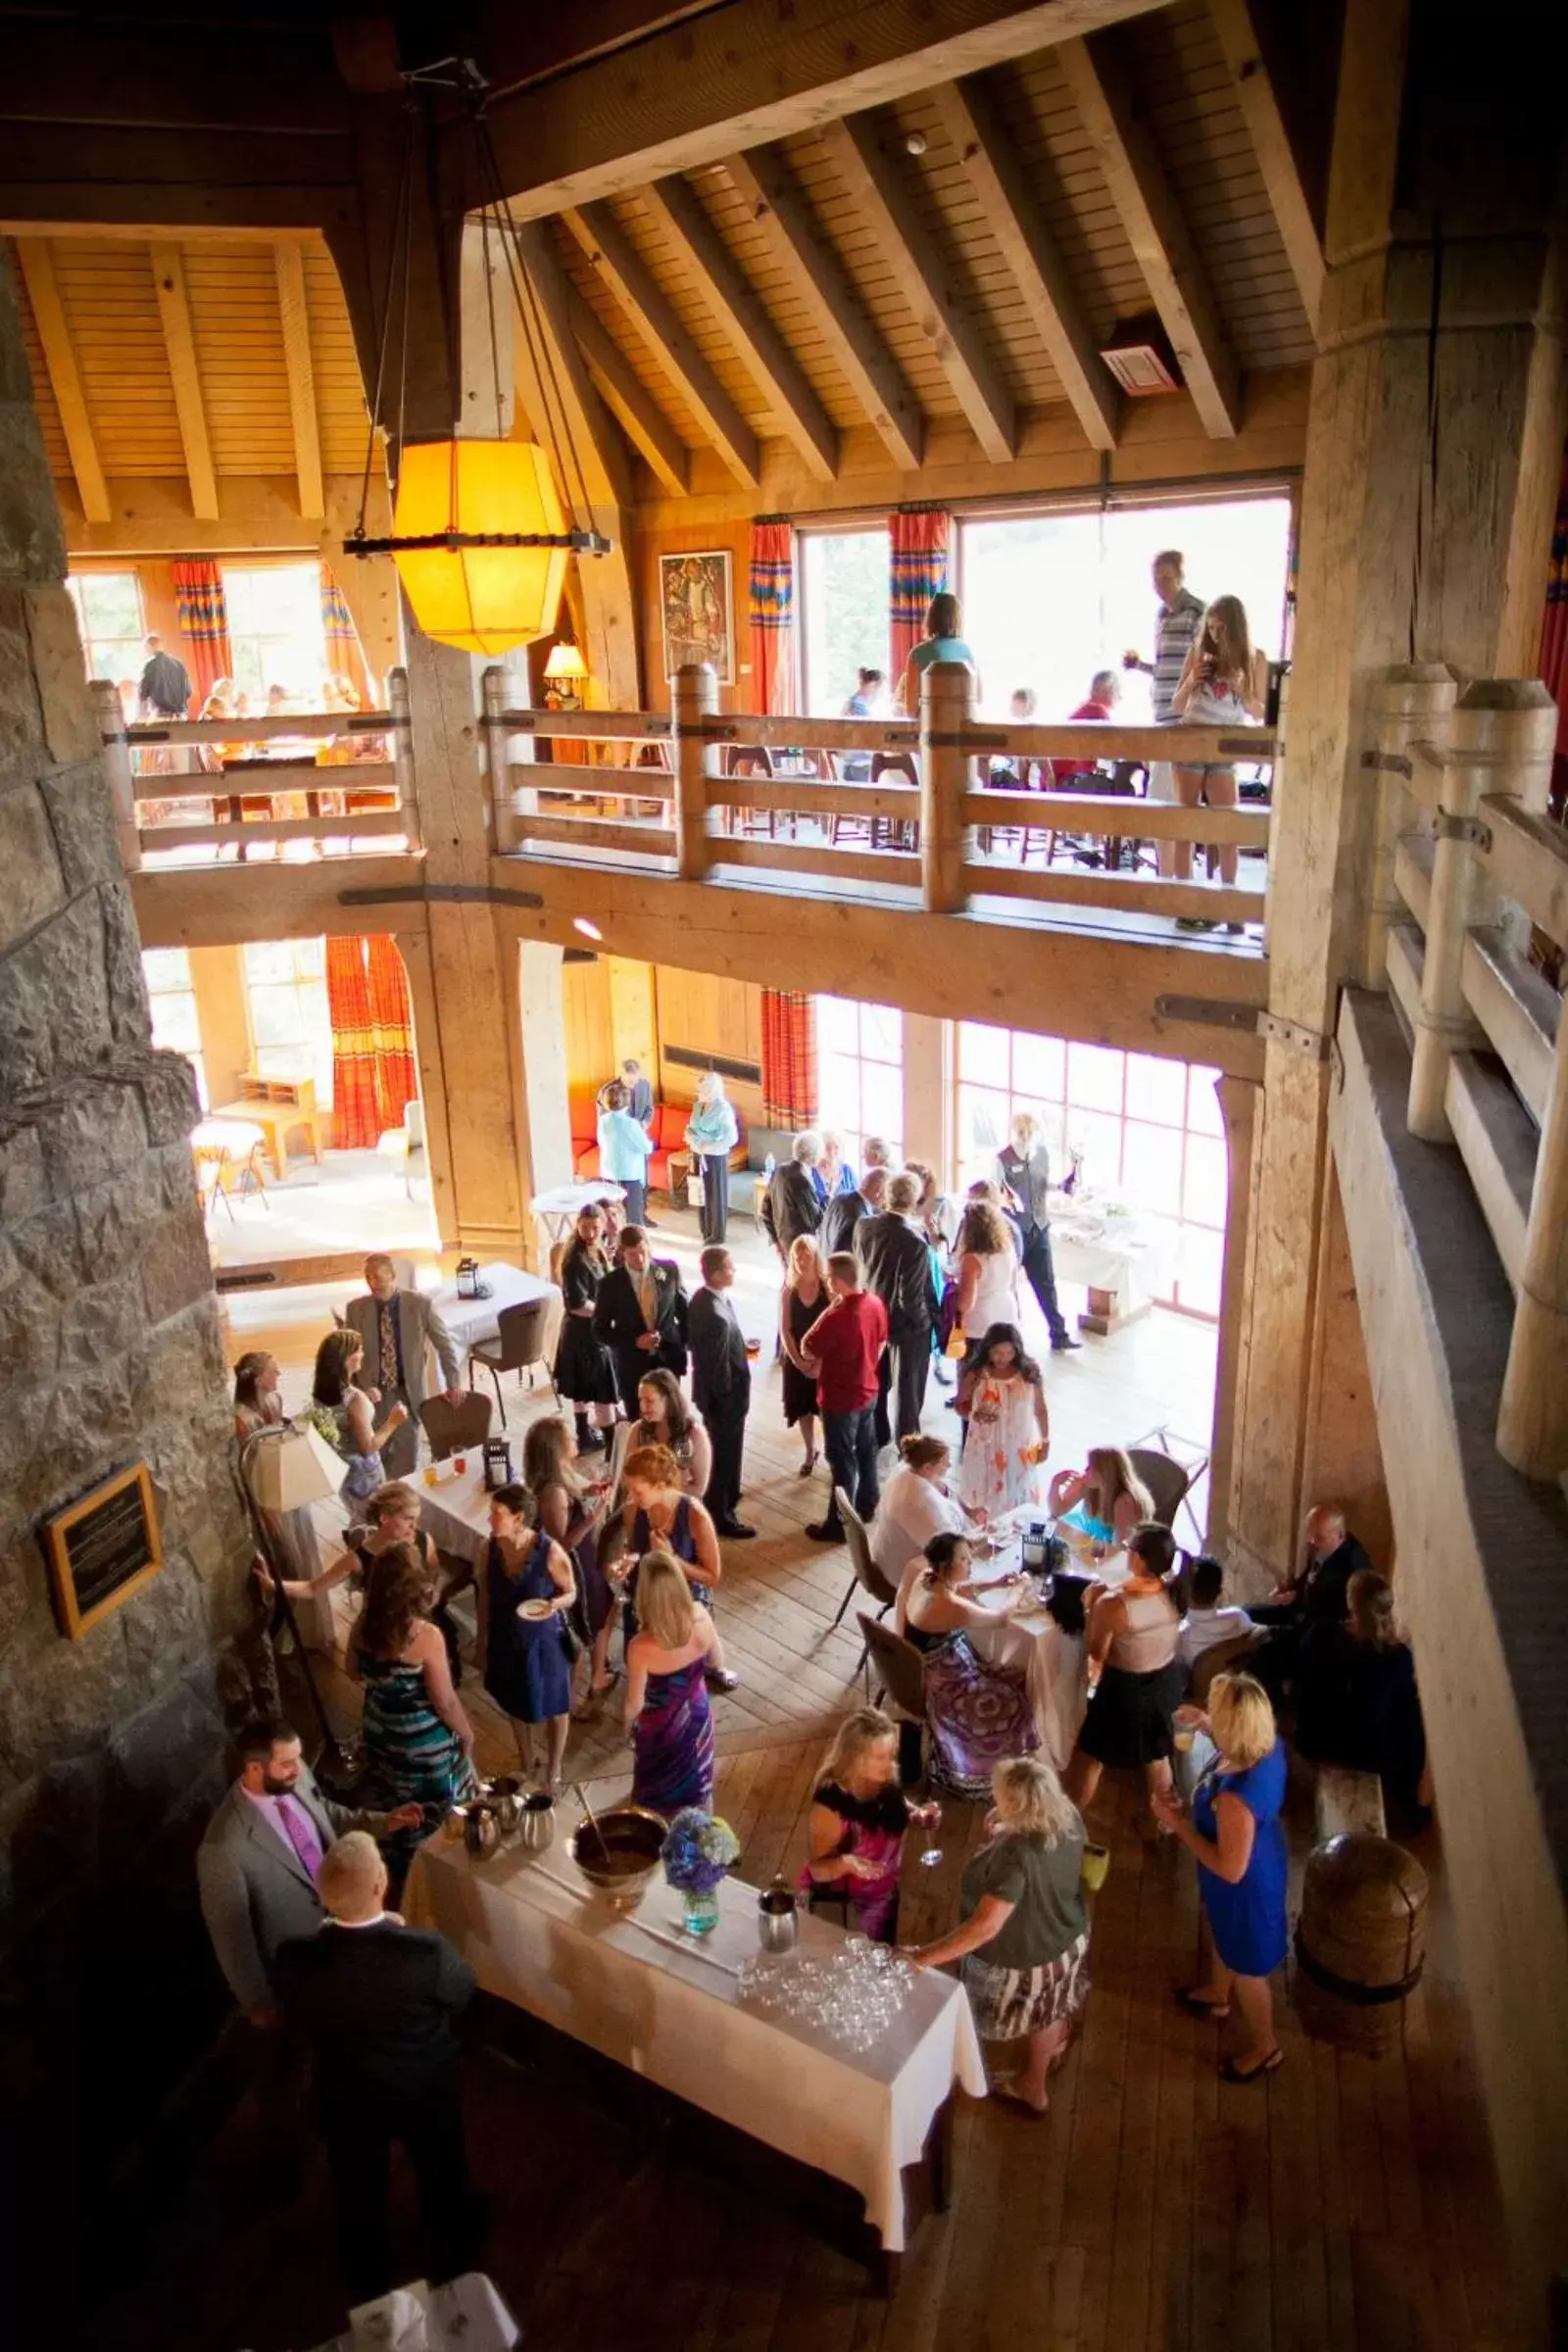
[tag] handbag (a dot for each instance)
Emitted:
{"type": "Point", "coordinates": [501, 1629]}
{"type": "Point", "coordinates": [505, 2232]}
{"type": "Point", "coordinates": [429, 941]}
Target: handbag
{"type": "Point", "coordinates": [695, 1192]}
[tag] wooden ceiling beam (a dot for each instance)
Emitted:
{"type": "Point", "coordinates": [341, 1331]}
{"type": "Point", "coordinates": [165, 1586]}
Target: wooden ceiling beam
{"type": "Point", "coordinates": [750, 72]}
{"type": "Point", "coordinates": [925, 280]}
{"type": "Point", "coordinates": [553, 384]}
{"type": "Point", "coordinates": [628, 399]}
{"type": "Point", "coordinates": [180, 343]}
{"type": "Point", "coordinates": [761, 348]}
{"type": "Point", "coordinates": [289, 265]}
{"type": "Point", "coordinates": [634, 286]}
{"type": "Point", "coordinates": [1147, 206]}
{"type": "Point", "coordinates": [819, 280]}
{"type": "Point", "coordinates": [60, 359]}
{"type": "Point", "coordinates": [1032, 254]}
{"type": "Point", "coordinates": [1276, 158]}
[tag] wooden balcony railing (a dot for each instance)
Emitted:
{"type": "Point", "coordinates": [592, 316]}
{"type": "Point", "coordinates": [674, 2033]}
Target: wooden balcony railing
{"type": "Point", "coordinates": [1465, 847]}
{"type": "Point", "coordinates": [733, 792]}
{"type": "Point", "coordinates": [167, 808]}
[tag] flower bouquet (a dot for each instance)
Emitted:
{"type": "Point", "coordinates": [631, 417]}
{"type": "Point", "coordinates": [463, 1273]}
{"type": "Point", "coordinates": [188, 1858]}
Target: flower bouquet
{"type": "Point", "coordinates": [699, 1849]}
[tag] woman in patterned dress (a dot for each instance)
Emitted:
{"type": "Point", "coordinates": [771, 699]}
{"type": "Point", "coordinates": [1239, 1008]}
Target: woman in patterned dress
{"type": "Point", "coordinates": [419, 1741]}
{"type": "Point", "coordinates": [977, 1714]}
{"type": "Point", "coordinates": [669, 1659]}
{"type": "Point", "coordinates": [1003, 1399]}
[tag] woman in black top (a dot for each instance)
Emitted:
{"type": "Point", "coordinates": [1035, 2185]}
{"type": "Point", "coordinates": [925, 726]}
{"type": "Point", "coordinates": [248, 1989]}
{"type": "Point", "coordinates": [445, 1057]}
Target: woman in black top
{"type": "Point", "coordinates": [585, 1371]}
{"type": "Point", "coordinates": [1355, 1695]}
{"type": "Point", "coordinates": [857, 1820]}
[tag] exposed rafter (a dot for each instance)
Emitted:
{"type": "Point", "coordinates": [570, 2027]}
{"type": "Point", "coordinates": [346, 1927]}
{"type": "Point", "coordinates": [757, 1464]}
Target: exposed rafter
{"type": "Point", "coordinates": [290, 266]}
{"type": "Point", "coordinates": [628, 399]}
{"type": "Point", "coordinates": [179, 342]}
{"type": "Point", "coordinates": [634, 287]}
{"type": "Point", "coordinates": [1157, 232]}
{"type": "Point", "coordinates": [756, 340]}
{"type": "Point", "coordinates": [1276, 158]}
{"type": "Point", "coordinates": [553, 380]}
{"type": "Point", "coordinates": [819, 280]}
{"type": "Point", "coordinates": [1027, 246]}
{"type": "Point", "coordinates": [60, 358]}
{"type": "Point", "coordinates": [926, 281]}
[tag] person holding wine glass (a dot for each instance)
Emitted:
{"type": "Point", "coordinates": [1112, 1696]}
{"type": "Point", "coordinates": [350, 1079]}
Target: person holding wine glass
{"type": "Point", "coordinates": [857, 1826]}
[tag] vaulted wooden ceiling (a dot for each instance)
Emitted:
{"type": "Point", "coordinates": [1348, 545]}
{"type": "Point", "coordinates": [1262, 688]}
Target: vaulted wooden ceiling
{"type": "Point", "coordinates": [958, 256]}
{"type": "Point", "coordinates": [208, 357]}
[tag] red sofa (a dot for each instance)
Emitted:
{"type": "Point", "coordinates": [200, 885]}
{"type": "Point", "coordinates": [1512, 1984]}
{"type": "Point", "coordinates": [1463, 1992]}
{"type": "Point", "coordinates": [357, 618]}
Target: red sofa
{"type": "Point", "coordinates": [669, 1135]}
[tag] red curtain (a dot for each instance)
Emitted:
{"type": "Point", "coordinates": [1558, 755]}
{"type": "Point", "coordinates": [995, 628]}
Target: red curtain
{"type": "Point", "coordinates": [1554, 642]}
{"type": "Point", "coordinates": [345, 656]}
{"type": "Point", "coordinates": [373, 1040]}
{"type": "Point", "coordinates": [918, 542]}
{"type": "Point", "coordinates": [204, 626]}
{"type": "Point", "coordinates": [789, 1058]}
{"type": "Point", "coordinates": [391, 1030]}
{"type": "Point", "coordinates": [772, 610]}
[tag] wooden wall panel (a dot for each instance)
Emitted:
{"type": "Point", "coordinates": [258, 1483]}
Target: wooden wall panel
{"type": "Point", "coordinates": [705, 1014]}
{"type": "Point", "coordinates": [110, 306]}
{"type": "Point", "coordinates": [585, 999]}
{"type": "Point", "coordinates": [733, 533]}
{"type": "Point", "coordinates": [342, 403]}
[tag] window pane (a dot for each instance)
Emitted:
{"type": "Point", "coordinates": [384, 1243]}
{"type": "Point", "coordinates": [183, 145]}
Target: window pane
{"type": "Point", "coordinates": [175, 1024]}
{"type": "Point", "coordinates": [1152, 1168]}
{"type": "Point", "coordinates": [882, 1033]}
{"type": "Point", "coordinates": [269, 960]}
{"type": "Point", "coordinates": [1202, 1102]}
{"type": "Point", "coordinates": [983, 1120]}
{"type": "Point", "coordinates": [1208, 1181]}
{"type": "Point", "coordinates": [1094, 1077]}
{"type": "Point", "coordinates": [1038, 1068]}
{"type": "Point", "coordinates": [844, 610]}
{"type": "Point", "coordinates": [882, 1100]}
{"type": "Point", "coordinates": [165, 968]}
{"type": "Point", "coordinates": [111, 603]}
{"type": "Point", "coordinates": [1100, 1140]}
{"type": "Point", "coordinates": [275, 1016]}
{"type": "Point", "coordinates": [1156, 1089]}
{"type": "Point", "coordinates": [310, 959]}
{"type": "Point", "coordinates": [983, 1054]}
{"type": "Point", "coordinates": [1199, 1264]}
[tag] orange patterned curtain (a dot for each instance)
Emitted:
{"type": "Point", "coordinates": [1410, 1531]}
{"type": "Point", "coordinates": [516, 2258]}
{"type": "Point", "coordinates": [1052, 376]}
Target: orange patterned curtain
{"type": "Point", "coordinates": [773, 615]}
{"type": "Point", "coordinates": [345, 657]}
{"type": "Point", "coordinates": [392, 1031]}
{"type": "Point", "coordinates": [789, 1058]}
{"type": "Point", "coordinates": [917, 543]}
{"type": "Point", "coordinates": [204, 627]}
{"type": "Point", "coordinates": [356, 1117]}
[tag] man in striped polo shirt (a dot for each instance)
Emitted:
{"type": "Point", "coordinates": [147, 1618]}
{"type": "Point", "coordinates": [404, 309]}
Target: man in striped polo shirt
{"type": "Point", "coordinates": [1180, 617]}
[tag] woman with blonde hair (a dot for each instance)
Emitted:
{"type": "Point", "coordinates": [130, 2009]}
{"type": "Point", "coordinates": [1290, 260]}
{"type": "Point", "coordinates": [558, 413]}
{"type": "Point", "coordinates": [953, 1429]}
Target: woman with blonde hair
{"type": "Point", "coordinates": [1023, 1935]}
{"type": "Point", "coordinates": [658, 1516]}
{"type": "Point", "coordinates": [987, 1268]}
{"type": "Point", "coordinates": [1234, 1830]}
{"type": "Point", "coordinates": [711, 1134]}
{"type": "Point", "coordinates": [1224, 683]}
{"type": "Point", "coordinates": [669, 1659]}
{"type": "Point", "coordinates": [1105, 1500]}
{"type": "Point", "coordinates": [803, 1297]}
{"type": "Point", "coordinates": [856, 1822]}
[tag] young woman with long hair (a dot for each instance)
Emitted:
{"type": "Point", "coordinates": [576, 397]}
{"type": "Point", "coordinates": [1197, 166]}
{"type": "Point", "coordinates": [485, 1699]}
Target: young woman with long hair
{"type": "Point", "coordinates": [585, 1370]}
{"type": "Point", "coordinates": [526, 1590]}
{"type": "Point", "coordinates": [1003, 1397]}
{"type": "Point", "coordinates": [343, 1414]}
{"type": "Point", "coordinates": [419, 1741]}
{"type": "Point", "coordinates": [671, 1660]}
{"type": "Point", "coordinates": [1105, 1500]}
{"type": "Point", "coordinates": [803, 1299]}
{"type": "Point", "coordinates": [570, 1510]}
{"type": "Point", "coordinates": [856, 1823]}
{"type": "Point", "coordinates": [1223, 683]}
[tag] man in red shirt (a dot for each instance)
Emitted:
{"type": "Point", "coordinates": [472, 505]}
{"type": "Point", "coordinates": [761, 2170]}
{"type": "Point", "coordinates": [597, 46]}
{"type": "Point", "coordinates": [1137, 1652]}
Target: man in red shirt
{"type": "Point", "coordinates": [844, 1348]}
{"type": "Point", "coordinates": [1105, 693]}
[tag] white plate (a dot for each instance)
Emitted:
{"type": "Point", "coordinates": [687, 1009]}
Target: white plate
{"type": "Point", "coordinates": [534, 1610]}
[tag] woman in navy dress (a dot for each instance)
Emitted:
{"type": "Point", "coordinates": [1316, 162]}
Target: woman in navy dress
{"type": "Point", "coordinates": [1235, 1831]}
{"type": "Point", "coordinates": [526, 1588]}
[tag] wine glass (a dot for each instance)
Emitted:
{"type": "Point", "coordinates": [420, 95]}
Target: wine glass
{"type": "Point", "coordinates": [930, 1855]}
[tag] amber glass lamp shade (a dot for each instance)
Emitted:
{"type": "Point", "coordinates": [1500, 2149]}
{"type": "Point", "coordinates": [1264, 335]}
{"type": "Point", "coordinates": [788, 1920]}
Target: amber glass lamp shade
{"type": "Point", "coordinates": [481, 599]}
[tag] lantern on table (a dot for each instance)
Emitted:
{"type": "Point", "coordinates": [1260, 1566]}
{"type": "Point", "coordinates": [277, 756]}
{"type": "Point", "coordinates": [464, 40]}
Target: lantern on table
{"type": "Point", "coordinates": [497, 1464]}
{"type": "Point", "coordinates": [468, 1284]}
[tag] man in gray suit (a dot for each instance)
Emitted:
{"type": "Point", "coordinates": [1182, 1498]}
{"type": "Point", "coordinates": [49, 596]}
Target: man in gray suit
{"type": "Point", "coordinates": [256, 1865]}
{"type": "Point", "coordinates": [397, 1328]}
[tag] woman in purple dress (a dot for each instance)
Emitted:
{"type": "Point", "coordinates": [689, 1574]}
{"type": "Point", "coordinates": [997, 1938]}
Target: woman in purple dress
{"type": "Point", "coordinates": [667, 1714]}
{"type": "Point", "coordinates": [856, 1822]}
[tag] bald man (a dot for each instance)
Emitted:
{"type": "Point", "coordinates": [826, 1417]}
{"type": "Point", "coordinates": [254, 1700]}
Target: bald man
{"type": "Point", "coordinates": [376, 2000]}
{"type": "Point", "coordinates": [1313, 1602]}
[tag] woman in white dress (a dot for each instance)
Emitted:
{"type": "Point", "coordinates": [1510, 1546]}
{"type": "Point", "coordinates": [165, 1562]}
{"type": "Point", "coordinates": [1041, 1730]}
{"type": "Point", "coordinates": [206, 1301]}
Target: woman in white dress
{"type": "Point", "coordinates": [1002, 1397]}
{"type": "Point", "coordinates": [916, 1504]}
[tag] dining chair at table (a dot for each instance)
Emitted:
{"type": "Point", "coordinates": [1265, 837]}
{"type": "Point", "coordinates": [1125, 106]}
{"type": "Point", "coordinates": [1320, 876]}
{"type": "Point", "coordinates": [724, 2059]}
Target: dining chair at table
{"type": "Point", "coordinates": [519, 1347]}
{"type": "Point", "coordinates": [895, 1673]}
{"type": "Point", "coordinates": [866, 1576]}
{"type": "Point", "coordinates": [461, 1428]}
{"type": "Point", "coordinates": [1165, 1477]}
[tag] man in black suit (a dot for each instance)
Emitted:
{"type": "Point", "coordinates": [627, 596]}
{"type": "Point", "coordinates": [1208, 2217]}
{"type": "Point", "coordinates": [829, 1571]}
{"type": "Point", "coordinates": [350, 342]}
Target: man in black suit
{"type": "Point", "coordinates": [640, 1314]}
{"type": "Point", "coordinates": [721, 1385]}
{"type": "Point", "coordinates": [1314, 1602]}
{"type": "Point", "coordinates": [791, 1205]}
{"type": "Point", "coordinates": [846, 1209]}
{"type": "Point", "coordinates": [375, 2000]}
{"type": "Point", "coordinates": [896, 1267]}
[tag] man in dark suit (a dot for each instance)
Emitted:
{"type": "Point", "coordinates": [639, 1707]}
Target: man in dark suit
{"type": "Point", "coordinates": [1313, 1603]}
{"type": "Point", "coordinates": [791, 1205]}
{"type": "Point", "coordinates": [846, 1209]}
{"type": "Point", "coordinates": [397, 1328]}
{"type": "Point", "coordinates": [896, 1267]}
{"type": "Point", "coordinates": [375, 2000]}
{"type": "Point", "coordinates": [721, 1385]}
{"type": "Point", "coordinates": [640, 1314]}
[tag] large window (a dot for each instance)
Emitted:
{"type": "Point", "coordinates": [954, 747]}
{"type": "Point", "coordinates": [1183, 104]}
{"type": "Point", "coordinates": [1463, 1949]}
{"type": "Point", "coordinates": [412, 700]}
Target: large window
{"type": "Point", "coordinates": [844, 611]}
{"type": "Point", "coordinates": [859, 1060]}
{"type": "Point", "coordinates": [171, 995]}
{"type": "Point", "coordinates": [1147, 1134]}
{"type": "Point", "coordinates": [275, 631]}
{"type": "Point", "coordinates": [291, 1027]}
{"type": "Point", "coordinates": [1051, 599]}
{"type": "Point", "coordinates": [109, 616]}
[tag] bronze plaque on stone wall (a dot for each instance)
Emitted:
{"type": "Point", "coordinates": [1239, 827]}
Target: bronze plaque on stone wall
{"type": "Point", "coordinates": [102, 1547]}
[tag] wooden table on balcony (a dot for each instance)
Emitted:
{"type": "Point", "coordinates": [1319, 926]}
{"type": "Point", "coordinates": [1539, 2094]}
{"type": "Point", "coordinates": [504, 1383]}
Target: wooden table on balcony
{"type": "Point", "coordinates": [278, 1106]}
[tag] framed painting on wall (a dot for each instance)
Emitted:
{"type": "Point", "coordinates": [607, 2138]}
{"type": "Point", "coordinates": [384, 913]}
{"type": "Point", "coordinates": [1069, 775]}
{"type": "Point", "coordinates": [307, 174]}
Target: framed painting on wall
{"type": "Point", "coordinates": [695, 606]}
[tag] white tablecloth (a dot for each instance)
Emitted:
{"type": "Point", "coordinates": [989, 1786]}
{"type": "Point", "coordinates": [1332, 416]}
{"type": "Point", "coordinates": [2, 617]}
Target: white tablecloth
{"type": "Point", "coordinates": [466, 2315]}
{"type": "Point", "coordinates": [1053, 1663]}
{"type": "Point", "coordinates": [1127, 1255]}
{"type": "Point", "coordinates": [473, 1319]}
{"type": "Point", "coordinates": [634, 1987]}
{"type": "Point", "coordinates": [456, 1512]}
{"type": "Point", "coordinates": [557, 1211]}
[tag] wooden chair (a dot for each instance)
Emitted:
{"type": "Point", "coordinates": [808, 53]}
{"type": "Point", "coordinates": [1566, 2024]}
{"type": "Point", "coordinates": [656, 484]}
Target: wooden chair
{"type": "Point", "coordinates": [867, 1577]}
{"type": "Point", "coordinates": [900, 1671]}
{"type": "Point", "coordinates": [749, 759]}
{"type": "Point", "coordinates": [1167, 1480]}
{"type": "Point", "coordinates": [455, 1428]}
{"type": "Point", "coordinates": [519, 1347]}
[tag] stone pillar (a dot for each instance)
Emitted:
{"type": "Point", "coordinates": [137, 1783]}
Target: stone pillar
{"type": "Point", "coordinates": [1434, 448]}
{"type": "Point", "coordinates": [110, 1354]}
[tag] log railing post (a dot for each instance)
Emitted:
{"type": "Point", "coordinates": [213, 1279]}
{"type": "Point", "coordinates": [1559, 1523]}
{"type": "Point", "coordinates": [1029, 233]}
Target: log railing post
{"type": "Point", "coordinates": [492, 705]}
{"type": "Point", "coordinates": [110, 714]}
{"type": "Point", "coordinates": [945, 690]}
{"type": "Point", "coordinates": [399, 710]}
{"type": "Point", "coordinates": [694, 760]}
{"type": "Point", "coordinates": [1415, 706]}
{"type": "Point", "coordinates": [1532, 1418]}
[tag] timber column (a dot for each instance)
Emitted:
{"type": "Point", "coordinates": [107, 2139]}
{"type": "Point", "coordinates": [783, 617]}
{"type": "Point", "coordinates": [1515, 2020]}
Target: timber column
{"type": "Point", "coordinates": [1434, 448]}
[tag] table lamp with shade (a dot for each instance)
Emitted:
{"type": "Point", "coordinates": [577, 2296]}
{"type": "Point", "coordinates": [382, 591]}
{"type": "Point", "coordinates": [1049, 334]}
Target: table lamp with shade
{"type": "Point", "coordinates": [566, 673]}
{"type": "Point", "coordinates": [285, 1467]}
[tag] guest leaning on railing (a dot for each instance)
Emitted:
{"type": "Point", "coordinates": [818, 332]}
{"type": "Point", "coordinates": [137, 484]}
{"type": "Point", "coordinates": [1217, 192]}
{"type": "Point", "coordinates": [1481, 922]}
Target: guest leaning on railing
{"type": "Point", "coordinates": [1224, 683]}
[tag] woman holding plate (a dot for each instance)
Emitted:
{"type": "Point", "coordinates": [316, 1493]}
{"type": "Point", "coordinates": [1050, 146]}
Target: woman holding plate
{"type": "Point", "coordinates": [526, 1588]}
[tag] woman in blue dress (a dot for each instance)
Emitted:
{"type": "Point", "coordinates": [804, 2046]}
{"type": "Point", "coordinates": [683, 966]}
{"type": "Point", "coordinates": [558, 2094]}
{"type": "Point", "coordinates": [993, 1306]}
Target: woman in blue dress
{"type": "Point", "coordinates": [1235, 1831]}
{"type": "Point", "coordinates": [660, 1516]}
{"type": "Point", "coordinates": [527, 1587]}
{"type": "Point", "coordinates": [675, 1648]}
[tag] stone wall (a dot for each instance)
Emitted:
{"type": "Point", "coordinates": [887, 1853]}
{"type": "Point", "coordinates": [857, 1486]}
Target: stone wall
{"type": "Point", "coordinates": [111, 1747]}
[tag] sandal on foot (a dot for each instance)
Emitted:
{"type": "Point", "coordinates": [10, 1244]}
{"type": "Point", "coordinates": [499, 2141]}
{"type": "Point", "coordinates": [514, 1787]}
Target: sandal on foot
{"type": "Point", "coordinates": [1230, 2071]}
{"type": "Point", "coordinates": [1196, 2006]}
{"type": "Point", "coordinates": [1016, 2098]}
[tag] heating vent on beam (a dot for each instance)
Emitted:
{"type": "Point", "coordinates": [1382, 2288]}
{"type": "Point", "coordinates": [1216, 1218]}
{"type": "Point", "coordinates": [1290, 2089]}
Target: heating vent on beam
{"type": "Point", "coordinates": [1140, 357]}
{"type": "Point", "coordinates": [686, 1057]}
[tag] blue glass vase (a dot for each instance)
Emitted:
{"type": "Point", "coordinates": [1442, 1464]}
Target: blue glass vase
{"type": "Point", "coordinates": [700, 1911]}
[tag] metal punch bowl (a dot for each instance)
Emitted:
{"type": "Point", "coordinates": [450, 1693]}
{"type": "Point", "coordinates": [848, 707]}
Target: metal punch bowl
{"type": "Point", "coordinates": [634, 1836]}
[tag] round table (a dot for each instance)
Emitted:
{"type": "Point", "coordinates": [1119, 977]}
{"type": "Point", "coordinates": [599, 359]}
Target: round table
{"type": "Point", "coordinates": [1029, 1636]}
